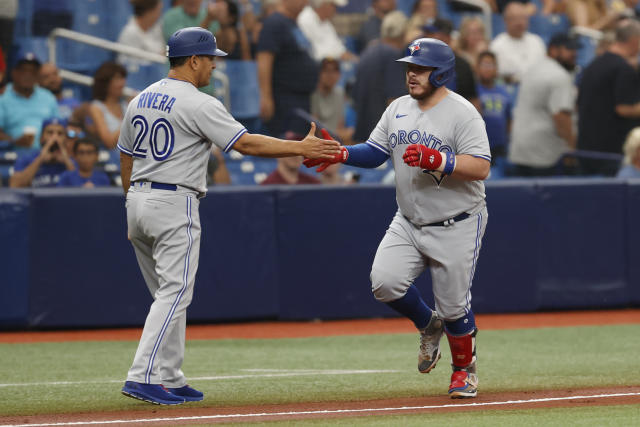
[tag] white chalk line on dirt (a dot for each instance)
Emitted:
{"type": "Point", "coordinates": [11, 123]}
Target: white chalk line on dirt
{"type": "Point", "coordinates": [269, 373]}
{"type": "Point", "coordinates": [324, 412]}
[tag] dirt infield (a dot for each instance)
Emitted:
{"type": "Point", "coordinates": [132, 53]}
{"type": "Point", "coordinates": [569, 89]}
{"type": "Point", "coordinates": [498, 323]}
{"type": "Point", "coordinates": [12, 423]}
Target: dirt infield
{"type": "Point", "coordinates": [186, 414]}
{"type": "Point", "coordinates": [199, 414]}
{"type": "Point", "coordinates": [340, 327]}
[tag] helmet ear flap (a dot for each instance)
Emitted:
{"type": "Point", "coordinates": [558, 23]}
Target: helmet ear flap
{"type": "Point", "coordinates": [440, 77]}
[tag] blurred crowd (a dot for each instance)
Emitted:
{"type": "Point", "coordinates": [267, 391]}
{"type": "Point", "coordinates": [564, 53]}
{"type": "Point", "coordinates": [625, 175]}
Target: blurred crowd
{"type": "Point", "coordinates": [545, 115]}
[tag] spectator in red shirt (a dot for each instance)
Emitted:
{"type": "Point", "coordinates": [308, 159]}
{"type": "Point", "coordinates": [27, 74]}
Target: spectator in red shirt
{"type": "Point", "coordinates": [288, 169]}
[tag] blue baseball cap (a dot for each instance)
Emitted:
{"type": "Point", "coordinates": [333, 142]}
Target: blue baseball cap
{"type": "Point", "coordinates": [28, 58]}
{"type": "Point", "coordinates": [53, 121]}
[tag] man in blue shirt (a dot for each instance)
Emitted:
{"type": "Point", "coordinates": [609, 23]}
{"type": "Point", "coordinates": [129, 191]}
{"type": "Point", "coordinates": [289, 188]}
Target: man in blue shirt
{"type": "Point", "coordinates": [43, 168]}
{"type": "Point", "coordinates": [496, 105]}
{"type": "Point", "coordinates": [24, 105]}
{"type": "Point", "coordinates": [85, 152]}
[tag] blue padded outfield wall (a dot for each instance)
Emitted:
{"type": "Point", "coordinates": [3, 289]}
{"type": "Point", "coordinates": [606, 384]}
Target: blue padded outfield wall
{"type": "Point", "coordinates": [306, 253]}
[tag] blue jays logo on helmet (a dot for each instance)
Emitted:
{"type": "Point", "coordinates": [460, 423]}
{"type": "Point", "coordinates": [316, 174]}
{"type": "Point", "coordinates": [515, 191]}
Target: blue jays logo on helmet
{"type": "Point", "coordinates": [434, 53]}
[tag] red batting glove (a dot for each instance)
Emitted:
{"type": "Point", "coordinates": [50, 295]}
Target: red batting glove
{"type": "Point", "coordinates": [341, 157]}
{"type": "Point", "coordinates": [427, 158]}
{"type": "Point", "coordinates": [423, 157]}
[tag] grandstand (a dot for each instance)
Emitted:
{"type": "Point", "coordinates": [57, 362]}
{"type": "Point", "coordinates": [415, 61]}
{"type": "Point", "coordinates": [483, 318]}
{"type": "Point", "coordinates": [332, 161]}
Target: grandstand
{"type": "Point", "coordinates": [79, 35]}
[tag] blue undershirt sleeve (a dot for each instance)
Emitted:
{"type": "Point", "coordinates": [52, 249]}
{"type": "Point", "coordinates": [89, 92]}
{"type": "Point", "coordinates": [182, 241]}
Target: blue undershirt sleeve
{"type": "Point", "coordinates": [365, 156]}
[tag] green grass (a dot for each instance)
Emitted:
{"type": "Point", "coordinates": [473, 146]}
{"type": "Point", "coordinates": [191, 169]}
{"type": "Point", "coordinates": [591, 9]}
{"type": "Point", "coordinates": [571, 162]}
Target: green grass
{"type": "Point", "coordinates": [513, 360]}
{"type": "Point", "coordinates": [613, 416]}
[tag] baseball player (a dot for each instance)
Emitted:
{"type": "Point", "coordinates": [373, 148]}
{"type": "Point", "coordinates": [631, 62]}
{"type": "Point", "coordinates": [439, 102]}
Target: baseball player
{"type": "Point", "coordinates": [166, 136]}
{"type": "Point", "coordinates": [440, 152]}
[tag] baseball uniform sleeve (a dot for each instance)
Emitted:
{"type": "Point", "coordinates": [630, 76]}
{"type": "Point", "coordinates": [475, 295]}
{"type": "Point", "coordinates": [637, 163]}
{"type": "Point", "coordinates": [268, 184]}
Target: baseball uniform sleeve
{"type": "Point", "coordinates": [217, 125]}
{"type": "Point", "coordinates": [471, 138]}
{"type": "Point", "coordinates": [125, 140]}
{"type": "Point", "coordinates": [379, 138]}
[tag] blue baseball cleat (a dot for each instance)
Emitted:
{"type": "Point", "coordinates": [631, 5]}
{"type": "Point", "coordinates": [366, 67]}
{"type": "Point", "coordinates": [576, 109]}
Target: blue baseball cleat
{"type": "Point", "coordinates": [152, 393]}
{"type": "Point", "coordinates": [189, 394]}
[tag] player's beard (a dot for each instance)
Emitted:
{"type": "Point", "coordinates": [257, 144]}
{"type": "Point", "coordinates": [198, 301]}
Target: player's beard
{"type": "Point", "coordinates": [428, 90]}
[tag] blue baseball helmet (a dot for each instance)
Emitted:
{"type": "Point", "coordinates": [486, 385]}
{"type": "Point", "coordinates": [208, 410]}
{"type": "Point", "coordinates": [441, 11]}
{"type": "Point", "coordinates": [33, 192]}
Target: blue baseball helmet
{"type": "Point", "coordinates": [432, 53]}
{"type": "Point", "coordinates": [193, 41]}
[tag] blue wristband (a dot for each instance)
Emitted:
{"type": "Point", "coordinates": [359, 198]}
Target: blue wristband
{"type": "Point", "coordinates": [449, 163]}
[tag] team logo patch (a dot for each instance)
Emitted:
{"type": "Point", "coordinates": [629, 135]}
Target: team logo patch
{"type": "Point", "coordinates": [414, 48]}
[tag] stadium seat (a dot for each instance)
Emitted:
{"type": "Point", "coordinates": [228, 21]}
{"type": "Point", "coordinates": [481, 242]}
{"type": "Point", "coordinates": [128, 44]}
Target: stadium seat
{"type": "Point", "coordinates": [141, 76]}
{"type": "Point", "coordinates": [90, 17]}
{"type": "Point", "coordinates": [547, 25]}
{"type": "Point", "coordinates": [243, 87]}
{"type": "Point", "coordinates": [587, 51]}
{"type": "Point", "coordinates": [497, 24]}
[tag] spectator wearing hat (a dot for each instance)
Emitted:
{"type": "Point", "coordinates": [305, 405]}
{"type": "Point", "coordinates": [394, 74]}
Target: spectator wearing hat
{"type": "Point", "coordinates": [464, 82]}
{"type": "Point", "coordinates": [43, 168]}
{"type": "Point", "coordinates": [516, 48]}
{"type": "Point", "coordinates": [315, 23]}
{"type": "Point", "coordinates": [85, 152]}
{"type": "Point", "coordinates": [49, 78]}
{"type": "Point", "coordinates": [543, 115]}
{"type": "Point", "coordinates": [609, 99]}
{"type": "Point", "coordinates": [379, 78]}
{"type": "Point", "coordinates": [24, 105]}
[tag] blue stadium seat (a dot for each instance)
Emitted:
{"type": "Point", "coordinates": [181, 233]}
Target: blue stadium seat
{"type": "Point", "coordinates": [119, 13]}
{"type": "Point", "coordinates": [547, 25]}
{"type": "Point", "coordinates": [497, 24]}
{"type": "Point", "coordinates": [587, 51]}
{"type": "Point", "coordinates": [405, 6]}
{"type": "Point", "coordinates": [141, 76]}
{"type": "Point", "coordinates": [243, 87]}
{"type": "Point", "coordinates": [90, 17]}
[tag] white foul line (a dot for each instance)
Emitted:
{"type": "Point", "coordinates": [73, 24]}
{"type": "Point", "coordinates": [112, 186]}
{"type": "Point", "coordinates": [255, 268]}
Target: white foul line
{"type": "Point", "coordinates": [274, 373]}
{"type": "Point", "coordinates": [325, 412]}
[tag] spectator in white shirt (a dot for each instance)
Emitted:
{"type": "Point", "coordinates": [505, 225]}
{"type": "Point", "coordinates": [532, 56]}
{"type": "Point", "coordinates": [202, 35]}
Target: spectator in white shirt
{"type": "Point", "coordinates": [516, 49]}
{"type": "Point", "coordinates": [315, 23]}
{"type": "Point", "coordinates": [144, 30]}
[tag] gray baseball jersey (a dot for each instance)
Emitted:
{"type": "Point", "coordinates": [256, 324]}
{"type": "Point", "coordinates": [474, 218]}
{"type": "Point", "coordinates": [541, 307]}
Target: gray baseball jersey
{"type": "Point", "coordinates": [426, 197]}
{"type": "Point", "coordinates": [452, 125]}
{"type": "Point", "coordinates": [169, 127]}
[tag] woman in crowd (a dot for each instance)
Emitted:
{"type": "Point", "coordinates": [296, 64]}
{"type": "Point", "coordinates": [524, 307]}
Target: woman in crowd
{"type": "Point", "coordinates": [108, 106]}
{"type": "Point", "coordinates": [472, 40]}
{"type": "Point", "coordinates": [423, 12]}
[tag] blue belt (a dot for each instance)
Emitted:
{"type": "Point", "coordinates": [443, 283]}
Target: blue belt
{"type": "Point", "coordinates": [450, 221]}
{"type": "Point", "coordinates": [159, 186]}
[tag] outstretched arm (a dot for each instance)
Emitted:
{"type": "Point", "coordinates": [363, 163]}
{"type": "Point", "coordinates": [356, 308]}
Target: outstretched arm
{"type": "Point", "coordinates": [266, 146]}
{"type": "Point", "coordinates": [362, 155]}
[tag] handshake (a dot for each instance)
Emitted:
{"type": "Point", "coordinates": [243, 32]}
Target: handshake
{"type": "Point", "coordinates": [415, 155]}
